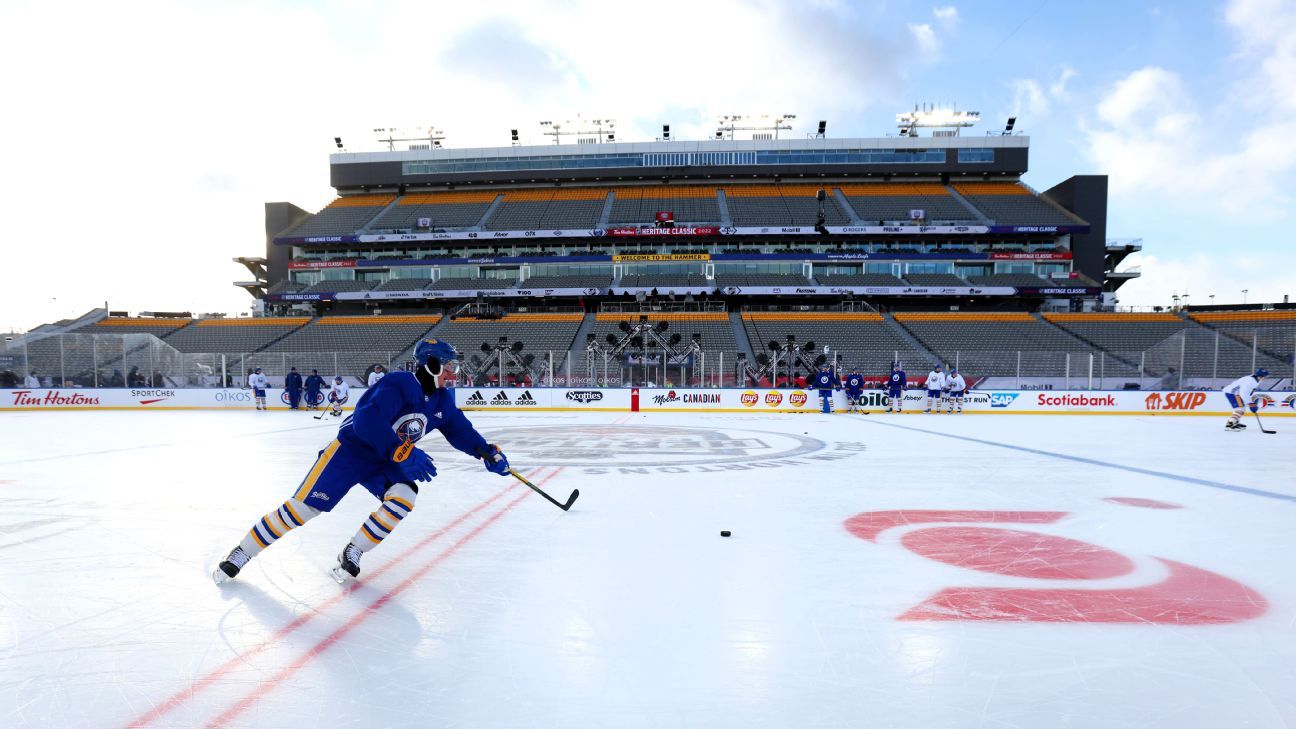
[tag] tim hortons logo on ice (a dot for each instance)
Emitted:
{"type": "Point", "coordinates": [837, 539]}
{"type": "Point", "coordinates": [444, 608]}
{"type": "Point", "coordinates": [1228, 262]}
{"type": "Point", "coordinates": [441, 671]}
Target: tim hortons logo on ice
{"type": "Point", "coordinates": [749, 398]}
{"type": "Point", "coordinates": [774, 399]}
{"type": "Point", "coordinates": [52, 397]}
{"type": "Point", "coordinates": [1174, 401]}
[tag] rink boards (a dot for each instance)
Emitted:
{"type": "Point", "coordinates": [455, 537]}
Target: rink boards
{"type": "Point", "coordinates": [730, 400]}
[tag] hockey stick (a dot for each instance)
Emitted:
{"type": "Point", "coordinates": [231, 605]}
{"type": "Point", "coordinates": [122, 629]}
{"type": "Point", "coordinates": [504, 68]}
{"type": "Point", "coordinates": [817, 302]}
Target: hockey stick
{"type": "Point", "coordinates": [570, 499]}
{"type": "Point", "coordinates": [1261, 425]}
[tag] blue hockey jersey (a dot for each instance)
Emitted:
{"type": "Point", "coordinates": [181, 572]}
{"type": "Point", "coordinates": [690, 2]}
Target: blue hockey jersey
{"type": "Point", "coordinates": [395, 410]}
{"type": "Point", "coordinates": [896, 382]}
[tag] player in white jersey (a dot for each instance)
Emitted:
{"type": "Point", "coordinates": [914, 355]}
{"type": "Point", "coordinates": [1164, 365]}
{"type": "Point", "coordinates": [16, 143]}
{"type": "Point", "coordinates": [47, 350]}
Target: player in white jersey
{"type": "Point", "coordinates": [1241, 394]}
{"type": "Point", "coordinates": [377, 374]}
{"type": "Point", "coordinates": [935, 386]}
{"type": "Point", "coordinates": [338, 395]}
{"type": "Point", "coordinates": [258, 383]}
{"type": "Point", "coordinates": [955, 387]}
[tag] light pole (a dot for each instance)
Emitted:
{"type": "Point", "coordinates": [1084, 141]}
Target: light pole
{"type": "Point", "coordinates": [1212, 298]}
{"type": "Point", "coordinates": [1244, 293]}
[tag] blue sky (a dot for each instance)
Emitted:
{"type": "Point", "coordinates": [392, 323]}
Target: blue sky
{"type": "Point", "coordinates": [170, 132]}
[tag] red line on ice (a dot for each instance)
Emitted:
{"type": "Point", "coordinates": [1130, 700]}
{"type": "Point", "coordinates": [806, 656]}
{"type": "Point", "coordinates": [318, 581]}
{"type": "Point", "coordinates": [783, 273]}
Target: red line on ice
{"type": "Point", "coordinates": [215, 674]}
{"type": "Point", "coordinates": [270, 684]}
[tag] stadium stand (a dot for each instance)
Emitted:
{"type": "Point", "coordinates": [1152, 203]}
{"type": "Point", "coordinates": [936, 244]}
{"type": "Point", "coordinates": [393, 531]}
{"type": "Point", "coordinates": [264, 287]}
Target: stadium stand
{"type": "Point", "coordinates": [664, 281]}
{"type": "Point", "coordinates": [1272, 334]}
{"type": "Point", "coordinates": [567, 282]}
{"type": "Point", "coordinates": [1009, 203]}
{"type": "Point", "coordinates": [715, 329]}
{"type": "Point", "coordinates": [690, 204]}
{"type": "Point", "coordinates": [883, 202]}
{"type": "Point", "coordinates": [863, 339]}
{"type": "Point", "coordinates": [861, 279]}
{"type": "Point", "coordinates": [557, 209]}
{"type": "Point", "coordinates": [159, 327]}
{"type": "Point", "coordinates": [444, 209]}
{"type": "Point", "coordinates": [761, 279]}
{"type": "Point", "coordinates": [233, 336]}
{"type": "Point", "coordinates": [934, 279]}
{"type": "Point", "coordinates": [539, 333]}
{"type": "Point", "coordinates": [1024, 280]}
{"type": "Point", "coordinates": [343, 215]}
{"type": "Point", "coordinates": [337, 287]}
{"type": "Point", "coordinates": [471, 284]}
{"type": "Point", "coordinates": [988, 344]}
{"type": "Point", "coordinates": [286, 286]}
{"type": "Point", "coordinates": [780, 205]}
{"type": "Point", "coordinates": [403, 284]}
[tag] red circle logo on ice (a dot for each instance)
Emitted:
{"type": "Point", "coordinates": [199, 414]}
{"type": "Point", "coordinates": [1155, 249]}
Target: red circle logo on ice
{"type": "Point", "coordinates": [642, 446]}
{"type": "Point", "coordinates": [774, 399]}
{"type": "Point", "coordinates": [750, 398]}
{"type": "Point", "coordinates": [797, 398]}
{"type": "Point", "coordinates": [1017, 553]}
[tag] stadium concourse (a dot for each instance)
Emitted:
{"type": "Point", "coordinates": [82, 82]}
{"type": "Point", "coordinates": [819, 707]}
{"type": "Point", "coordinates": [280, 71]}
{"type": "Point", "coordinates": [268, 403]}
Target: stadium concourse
{"type": "Point", "coordinates": [916, 571]}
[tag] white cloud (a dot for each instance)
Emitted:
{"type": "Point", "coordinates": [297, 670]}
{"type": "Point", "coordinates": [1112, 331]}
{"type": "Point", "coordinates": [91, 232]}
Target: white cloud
{"type": "Point", "coordinates": [1034, 100]}
{"type": "Point", "coordinates": [946, 15]}
{"type": "Point", "coordinates": [142, 156]}
{"type": "Point", "coordinates": [928, 44]}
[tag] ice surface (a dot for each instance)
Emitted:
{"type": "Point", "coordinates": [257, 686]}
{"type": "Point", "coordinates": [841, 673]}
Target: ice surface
{"type": "Point", "coordinates": [916, 571]}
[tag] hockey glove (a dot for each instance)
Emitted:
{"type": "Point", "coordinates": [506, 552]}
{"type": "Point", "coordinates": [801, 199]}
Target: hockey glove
{"type": "Point", "coordinates": [416, 465]}
{"type": "Point", "coordinates": [495, 460]}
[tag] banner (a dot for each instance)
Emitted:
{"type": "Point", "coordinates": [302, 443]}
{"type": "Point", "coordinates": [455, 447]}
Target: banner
{"type": "Point", "coordinates": [662, 257]}
{"type": "Point", "coordinates": [311, 265]}
{"type": "Point", "coordinates": [690, 231]}
{"type": "Point", "coordinates": [668, 232]}
{"type": "Point", "coordinates": [868, 290]}
{"type": "Point", "coordinates": [1023, 256]}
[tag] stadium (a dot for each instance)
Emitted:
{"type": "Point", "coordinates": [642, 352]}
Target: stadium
{"type": "Point", "coordinates": [678, 332]}
{"type": "Point", "coordinates": [753, 261]}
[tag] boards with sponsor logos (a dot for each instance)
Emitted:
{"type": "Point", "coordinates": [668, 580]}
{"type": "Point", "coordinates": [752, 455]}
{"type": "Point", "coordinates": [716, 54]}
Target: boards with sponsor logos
{"type": "Point", "coordinates": [1128, 402]}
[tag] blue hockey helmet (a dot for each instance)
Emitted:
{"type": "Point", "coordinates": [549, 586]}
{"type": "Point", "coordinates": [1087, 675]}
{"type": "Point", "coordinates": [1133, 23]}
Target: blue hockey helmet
{"type": "Point", "coordinates": [434, 354]}
{"type": "Point", "coordinates": [895, 365]}
{"type": "Point", "coordinates": [937, 367]}
{"type": "Point", "coordinates": [1261, 372]}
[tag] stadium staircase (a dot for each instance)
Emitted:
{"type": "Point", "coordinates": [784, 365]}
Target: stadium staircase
{"type": "Point", "coordinates": [365, 228]}
{"type": "Point", "coordinates": [847, 209]}
{"type": "Point", "coordinates": [722, 203]}
{"type": "Point", "coordinates": [958, 197]}
{"type": "Point", "coordinates": [908, 336]}
{"type": "Point", "coordinates": [582, 332]}
{"type": "Point", "coordinates": [490, 210]}
{"type": "Point", "coordinates": [266, 346]}
{"type": "Point", "coordinates": [740, 336]}
{"type": "Point", "coordinates": [1087, 343]}
{"type": "Point", "coordinates": [606, 215]}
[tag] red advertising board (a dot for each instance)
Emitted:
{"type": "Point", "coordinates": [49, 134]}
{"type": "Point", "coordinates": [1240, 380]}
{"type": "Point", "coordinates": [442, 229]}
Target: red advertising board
{"type": "Point", "coordinates": [638, 232]}
{"type": "Point", "coordinates": [307, 265]}
{"type": "Point", "coordinates": [1037, 256]}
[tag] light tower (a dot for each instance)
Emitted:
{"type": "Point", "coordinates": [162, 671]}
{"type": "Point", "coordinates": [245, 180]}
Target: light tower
{"type": "Point", "coordinates": [945, 122]}
{"type": "Point", "coordinates": [765, 126]}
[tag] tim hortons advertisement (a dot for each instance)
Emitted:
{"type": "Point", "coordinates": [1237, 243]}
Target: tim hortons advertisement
{"type": "Point", "coordinates": [159, 398]}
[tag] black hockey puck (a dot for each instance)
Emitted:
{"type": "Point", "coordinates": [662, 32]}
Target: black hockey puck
{"type": "Point", "coordinates": [725, 533]}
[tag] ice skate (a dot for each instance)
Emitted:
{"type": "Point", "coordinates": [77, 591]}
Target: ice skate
{"type": "Point", "coordinates": [230, 568]}
{"type": "Point", "coordinates": [348, 564]}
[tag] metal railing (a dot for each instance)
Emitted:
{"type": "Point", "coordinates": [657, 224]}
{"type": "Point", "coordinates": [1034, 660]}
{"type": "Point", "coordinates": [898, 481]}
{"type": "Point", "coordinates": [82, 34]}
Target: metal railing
{"type": "Point", "coordinates": [1193, 359]}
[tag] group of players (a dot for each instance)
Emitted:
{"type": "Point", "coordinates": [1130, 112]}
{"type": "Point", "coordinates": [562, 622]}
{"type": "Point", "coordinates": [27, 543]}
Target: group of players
{"type": "Point", "coordinates": [311, 389]}
{"type": "Point", "coordinates": [945, 391]}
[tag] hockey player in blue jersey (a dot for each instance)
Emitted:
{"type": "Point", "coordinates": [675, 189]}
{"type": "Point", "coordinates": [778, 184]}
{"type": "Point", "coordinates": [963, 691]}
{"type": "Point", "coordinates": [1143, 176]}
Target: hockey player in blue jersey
{"type": "Point", "coordinates": [854, 391]}
{"type": "Point", "coordinates": [825, 382]}
{"type": "Point", "coordinates": [375, 448]}
{"type": "Point", "coordinates": [895, 389]}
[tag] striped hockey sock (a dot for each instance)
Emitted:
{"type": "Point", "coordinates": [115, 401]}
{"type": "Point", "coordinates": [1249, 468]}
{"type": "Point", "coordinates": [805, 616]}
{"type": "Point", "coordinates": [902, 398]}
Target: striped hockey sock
{"type": "Point", "coordinates": [397, 504]}
{"type": "Point", "coordinates": [271, 527]}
